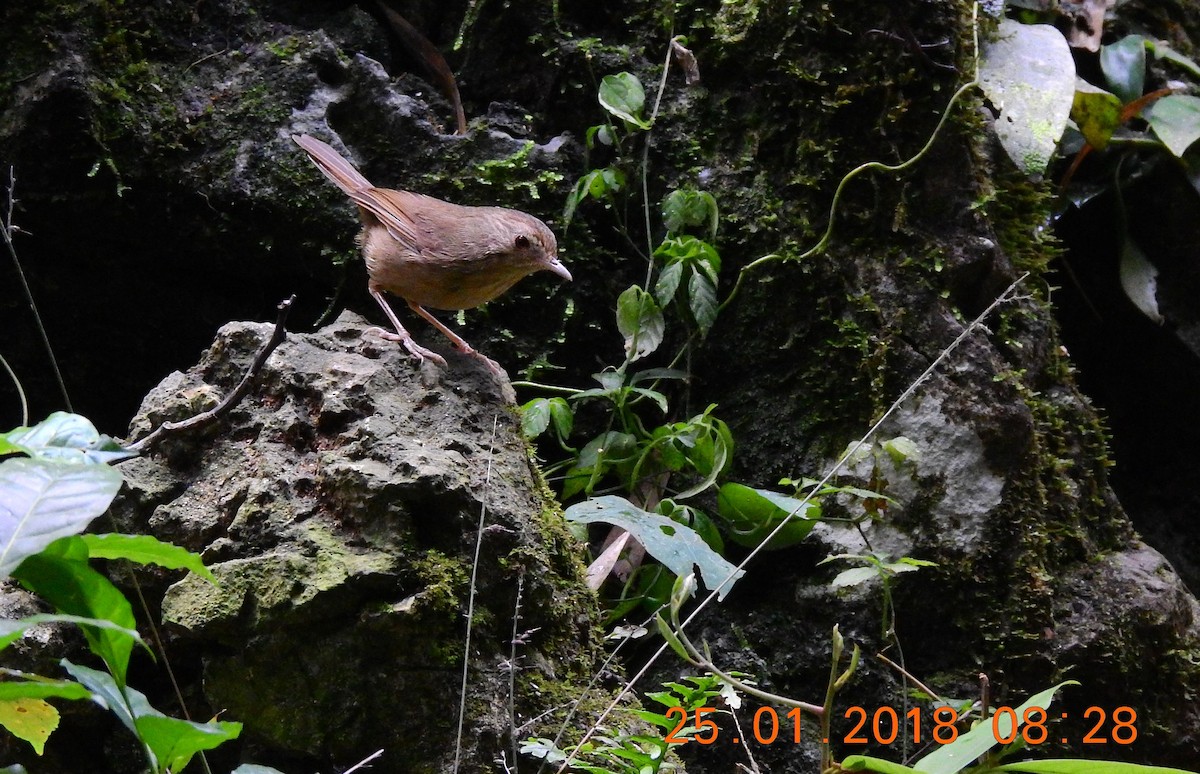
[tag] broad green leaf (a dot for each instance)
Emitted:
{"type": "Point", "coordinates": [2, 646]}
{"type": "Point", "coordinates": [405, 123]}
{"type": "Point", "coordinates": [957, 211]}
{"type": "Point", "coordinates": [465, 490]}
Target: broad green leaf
{"type": "Point", "coordinates": [67, 437]}
{"type": "Point", "coordinates": [43, 500]}
{"type": "Point", "coordinates": [686, 208]}
{"type": "Point", "coordinates": [668, 283]}
{"type": "Point", "coordinates": [73, 587]}
{"type": "Point", "coordinates": [702, 301]}
{"type": "Point", "coordinates": [623, 96]}
{"type": "Point", "coordinates": [535, 417]}
{"type": "Point", "coordinates": [30, 686]}
{"type": "Point", "coordinates": [855, 576]}
{"type": "Point", "coordinates": [175, 741]}
{"type": "Point", "coordinates": [1124, 66]}
{"type": "Point", "coordinates": [169, 743]}
{"type": "Point", "coordinates": [677, 547]}
{"type": "Point", "coordinates": [11, 629]}
{"type": "Point", "coordinates": [146, 549]}
{"type": "Point", "coordinates": [1096, 112]}
{"type": "Point", "coordinates": [960, 753]}
{"type": "Point", "coordinates": [867, 763]}
{"type": "Point", "coordinates": [1175, 120]}
{"type": "Point", "coordinates": [1139, 280]}
{"type": "Point", "coordinates": [1168, 54]}
{"type": "Point", "coordinates": [563, 417]}
{"type": "Point", "coordinates": [595, 459]}
{"type": "Point", "coordinates": [105, 692]}
{"type": "Point", "coordinates": [753, 514]}
{"type": "Point", "coordinates": [30, 719]}
{"type": "Point", "coordinates": [1087, 767]}
{"type": "Point", "coordinates": [900, 449]}
{"type": "Point", "coordinates": [540, 747]}
{"type": "Point", "coordinates": [640, 321]}
{"type": "Point", "coordinates": [1029, 76]}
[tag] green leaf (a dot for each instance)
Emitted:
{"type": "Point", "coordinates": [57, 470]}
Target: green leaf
{"type": "Point", "coordinates": [595, 459]}
{"type": "Point", "coordinates": [175, 741]}
{"type": "Point", "coordinates": [960, 753]}
{"type": "Point", "coordinates": [1096, 112]}
{"type": "Point", "coordinates": [702, 301]}
{"type": "Point", "coordinates": [43, 500]}
{"type": "Point", "coordinates": [668, 634]}
{"type": "Point", "coordinates": [169, 742]}
{"type": "Point", "coordinates": [668, 283]}
{"type": "Point", "coordinates": [1175, 120]}
{"type": "Point", "coordinates": [674, 545]}
{"type": "Point", "coordinates": [867, 763]}
{"type": "Point", "coordinates": [752, 514]}
{"type": "Point", "coordinates": [1029, 76]}
{"type": "Point", "coordinates": [30, 686]}
{"type": "Point", "coordinates": [563, 418]}
{"type": "Point", "coordinates": [146, 549]}
{"type": "Point", "coordinates": [541, 747]}
{"type": "Point", "coordinates": [73, 587]}
{"type": "Point", "coordinates": [687, 208]}
{"type": "Point", "coordinates": [1086, 767]}
{"type": "Point", "coordinates": [69, 438]}
{"type": "Point", "coordinates": [640, 321]}
{"type": "Point", "coordinates": [535, 417]}
{"type": "Point", "coordinates": [855, 576]}
{"type": "Point", "coordinates": [1139, 280]}
{"type": "Point", "coordinates": [1168, 54]}
{"type": "Point", "coordinates": [32, 720]}
{"type": "Point", "coordinates": [623, 96]}
{"type": "Point", "coordinates": [1124, 66]}
{"type": "Point", "coordinates": [900, 449]}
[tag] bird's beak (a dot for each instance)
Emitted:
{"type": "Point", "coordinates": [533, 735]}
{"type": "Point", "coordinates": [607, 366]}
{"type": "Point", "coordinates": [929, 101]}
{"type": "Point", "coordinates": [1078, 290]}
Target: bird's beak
{"type": "Point", "coordinates": [556, 266]}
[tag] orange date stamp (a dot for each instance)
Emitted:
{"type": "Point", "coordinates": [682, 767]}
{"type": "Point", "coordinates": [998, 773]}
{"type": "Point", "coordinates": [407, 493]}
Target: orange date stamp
{"type": "Point", "coordinates": [884, 726]}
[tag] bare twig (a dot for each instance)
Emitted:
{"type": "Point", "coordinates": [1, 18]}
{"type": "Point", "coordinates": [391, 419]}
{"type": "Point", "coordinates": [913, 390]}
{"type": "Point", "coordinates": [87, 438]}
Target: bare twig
{"type": "Point", "coordinates": [7, 229]}
{"type": "Point", "coordinates": [363, 763]}
{"type": "Point", "coordinates": [233, 398]}
{"type": "Point", "coordinates": [462, 705]}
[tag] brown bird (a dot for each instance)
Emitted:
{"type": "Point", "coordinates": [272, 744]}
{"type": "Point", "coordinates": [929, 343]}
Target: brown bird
{"type": "Point", "coordinates": [436, 254]}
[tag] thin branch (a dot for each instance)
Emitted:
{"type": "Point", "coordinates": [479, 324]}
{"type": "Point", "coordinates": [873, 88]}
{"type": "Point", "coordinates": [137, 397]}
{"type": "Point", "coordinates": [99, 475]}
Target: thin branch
{"type": "Point", "coordinates": [233, 398]}
{"type": "Point", "coordinates": [7, 228]}
{"type": "Point", "coordinates": [462, 705]}
{"type": "Point", "coordinates": [363, 763]}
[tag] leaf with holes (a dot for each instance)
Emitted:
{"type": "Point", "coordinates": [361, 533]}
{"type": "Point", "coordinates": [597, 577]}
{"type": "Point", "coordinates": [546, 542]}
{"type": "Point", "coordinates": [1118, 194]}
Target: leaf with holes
{"type": "Point", "coordinates": [678, 548]}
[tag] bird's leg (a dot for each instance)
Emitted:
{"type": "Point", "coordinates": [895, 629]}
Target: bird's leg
{"type": "Point", "coordinates": [403, 336]}
{"type": "Point", "coordinates": [458, 342]}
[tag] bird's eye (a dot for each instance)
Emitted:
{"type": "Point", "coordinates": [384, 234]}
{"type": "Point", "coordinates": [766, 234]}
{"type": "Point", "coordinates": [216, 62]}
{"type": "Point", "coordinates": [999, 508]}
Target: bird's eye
{"type": "Point", "coordinates": [522, 242]}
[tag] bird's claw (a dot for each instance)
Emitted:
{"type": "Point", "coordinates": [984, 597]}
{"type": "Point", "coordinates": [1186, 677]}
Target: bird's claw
{"type": "Point", "coordinates": [415, 349]}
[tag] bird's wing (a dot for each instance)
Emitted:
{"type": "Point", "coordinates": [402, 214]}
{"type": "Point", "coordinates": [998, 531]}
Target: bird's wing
{"type": "Point", "coordinates": [393, 209]}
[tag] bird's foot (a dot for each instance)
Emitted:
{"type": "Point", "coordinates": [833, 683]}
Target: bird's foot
{"type": "Point", "coordinates": [415, 349]}
{"type": "Point", "coordinates": [492, 365]}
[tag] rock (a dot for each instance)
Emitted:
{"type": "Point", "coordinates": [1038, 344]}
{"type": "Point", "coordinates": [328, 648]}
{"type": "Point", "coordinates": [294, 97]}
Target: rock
{"type": "Point", "coordinates": [339, 507]}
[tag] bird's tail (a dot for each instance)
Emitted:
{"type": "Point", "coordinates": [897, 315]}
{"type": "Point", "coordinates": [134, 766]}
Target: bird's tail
{"type": "Point", "coordinates": [329, 161]}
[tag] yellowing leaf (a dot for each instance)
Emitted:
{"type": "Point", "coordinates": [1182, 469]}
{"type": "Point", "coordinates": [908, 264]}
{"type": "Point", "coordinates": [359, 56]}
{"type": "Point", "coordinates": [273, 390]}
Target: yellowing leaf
{"type": "Point", "coordinates": [1096, 112]}
{"type": "Point", "coordinates": [30, 719]}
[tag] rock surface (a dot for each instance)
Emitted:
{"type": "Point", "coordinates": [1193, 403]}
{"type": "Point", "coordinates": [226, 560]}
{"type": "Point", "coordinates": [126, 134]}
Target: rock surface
{"type": "Point", "coordinates": [338, 505]}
